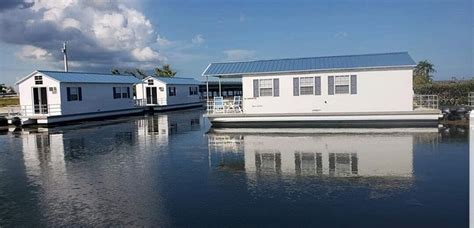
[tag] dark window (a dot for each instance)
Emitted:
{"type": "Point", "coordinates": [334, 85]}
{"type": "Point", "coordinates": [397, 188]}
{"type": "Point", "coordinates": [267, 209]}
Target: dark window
{"type": "Point", "coordinates": [193, 90]}
{"type": "Point", "coordinates": [150, 81]}
{"type": "Point", "coordinates": [74, 93]}
{"type": "Point", "coordinates": [121, 92]}
{"type": "Point", "coordinates": [38, 80]}
{"type": "Point", "coordinates": [171, 91]}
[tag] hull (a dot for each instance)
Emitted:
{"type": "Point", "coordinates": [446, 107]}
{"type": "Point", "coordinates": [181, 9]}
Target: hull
{"type": "Point", "coordinates": [48, 120]}
{"type": "Point", "coordinates": [175, 107]}
{"type": "Point", "coordinates": [327, 120]}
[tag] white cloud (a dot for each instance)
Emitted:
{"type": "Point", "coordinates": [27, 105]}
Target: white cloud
{"type": "Point", "coordinates": [340, 35]}
{"type": "Point", "coordinates": [198, 39]}
{"type": "Point", "coordinates": [239, 54]}
{"type": "Point", "coordinates": [147, 54]}
{"type": "Point", "coordinates": [31, 52]}
{"type": "Point", "coordinates": [101, 33]}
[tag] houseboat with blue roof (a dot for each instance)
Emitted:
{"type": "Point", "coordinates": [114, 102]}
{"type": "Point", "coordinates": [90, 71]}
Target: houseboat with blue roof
{"type": "Point", "coordinates": [167, 93]}
{"type": "Point", "coordinates": [48, 97]}
{"type": "Point", "coordinates": [368, 90]}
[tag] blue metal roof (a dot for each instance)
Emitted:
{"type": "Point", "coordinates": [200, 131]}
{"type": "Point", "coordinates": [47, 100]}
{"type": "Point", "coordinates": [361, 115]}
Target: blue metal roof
{"type": "Point", "coordinates": [83, 77]}
{"type": "Point", "coordinates": [345, 62]}
{"type": "Point", "coordinates": [178, 81]}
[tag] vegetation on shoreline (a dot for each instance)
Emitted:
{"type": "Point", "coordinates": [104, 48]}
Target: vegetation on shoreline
{"type": "Point", "coordinates": [449, 94]}
{"type": "Point", "coordinates": [7, 101]}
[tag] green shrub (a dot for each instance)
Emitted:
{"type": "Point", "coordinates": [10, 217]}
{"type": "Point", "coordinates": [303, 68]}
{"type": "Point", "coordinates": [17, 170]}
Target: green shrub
{"type": "Point", "coordinates": [448, 93]}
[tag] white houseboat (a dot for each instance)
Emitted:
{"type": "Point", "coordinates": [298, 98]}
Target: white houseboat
{"type": "Point", "coordinates": [370, 90]}
{"type": "Point", "coordinates": [166, 93]}
{"type": "Point", "coordinates": [48, 97]}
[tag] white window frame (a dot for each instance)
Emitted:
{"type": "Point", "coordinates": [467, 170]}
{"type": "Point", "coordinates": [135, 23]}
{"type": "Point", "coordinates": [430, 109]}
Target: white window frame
{"type": "Point", "coordinates": [311, 84]}
{"type": "Point", "coordinates": [150, 82]}
{"type": "Point", "coordinates": [269, 86]}
{"type": "Point", "coordinates": [339, 83]}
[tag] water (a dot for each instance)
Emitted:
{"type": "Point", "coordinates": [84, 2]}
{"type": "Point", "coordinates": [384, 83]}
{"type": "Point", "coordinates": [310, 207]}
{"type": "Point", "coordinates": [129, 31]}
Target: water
{"type": "Point", "coordinates": [166, 170]}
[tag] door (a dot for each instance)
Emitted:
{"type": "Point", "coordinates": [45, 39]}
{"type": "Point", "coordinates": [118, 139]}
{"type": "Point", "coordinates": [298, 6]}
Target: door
{"type": "Point", "coordinates": [151, 95]}
{"type": "Point", "coordinates": [40, 100]}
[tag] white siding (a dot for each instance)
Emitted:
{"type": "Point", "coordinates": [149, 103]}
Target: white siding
{"type": "Point", "coordinates": [95, 98]}
{"type": "Point", "coordinates": [387, 90]}
{"type": "Point", "coordinates": [182, 93]}
{"type": "Point", "coordinates": [25, 90]}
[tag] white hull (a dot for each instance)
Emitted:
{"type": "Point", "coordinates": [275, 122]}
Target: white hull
{"type": "Point", "coordinates": [45, 120]}
{"type": "Point", "coordinates": [373, 119]}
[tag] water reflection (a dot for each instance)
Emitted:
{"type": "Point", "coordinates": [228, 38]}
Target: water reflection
{"type": "Point", "coordinates": [361, 153]}
{"type": "Point", "coordinates": [83, 171]}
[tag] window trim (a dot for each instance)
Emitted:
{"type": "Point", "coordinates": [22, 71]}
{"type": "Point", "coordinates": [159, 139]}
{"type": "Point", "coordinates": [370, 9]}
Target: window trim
{"type": "Point", "coordinates": [150, 82]}
{"type": "Point", "coordinates": [307, 86]}
{"type": "Point", "coordinates": [340, 84]}
{"type": "Point", "coordinates": [260, 87]}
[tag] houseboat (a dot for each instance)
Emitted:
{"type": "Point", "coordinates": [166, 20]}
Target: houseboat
{"type": "Point", "coordinates": [48, 97]}
{"type": "Point", "coordinates": [369, 90]}
{"type": "Point", "coordinates": [166, 93]}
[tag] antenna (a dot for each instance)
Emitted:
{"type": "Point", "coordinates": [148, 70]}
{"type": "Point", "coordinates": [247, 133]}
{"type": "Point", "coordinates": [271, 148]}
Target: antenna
{"type": "Point", "coordinates": [65, 56]}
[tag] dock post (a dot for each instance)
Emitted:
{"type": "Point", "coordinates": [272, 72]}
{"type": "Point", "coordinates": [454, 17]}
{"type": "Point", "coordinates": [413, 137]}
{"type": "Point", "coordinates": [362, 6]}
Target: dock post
{"type": "Point", "coordinates": [220, 87]}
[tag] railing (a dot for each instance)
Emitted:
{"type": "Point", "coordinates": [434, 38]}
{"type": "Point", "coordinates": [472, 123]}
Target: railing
{"type": "Point", "coordinates": [471, 99]}
{"type": "Point", "coordinates": [425, 102]}
{"type": "Point", "coordinates": [227, 106]}
{"type": "Point", "coordinates": [145, 102]}
{"type": "Point", "coordinates": [36, 110]}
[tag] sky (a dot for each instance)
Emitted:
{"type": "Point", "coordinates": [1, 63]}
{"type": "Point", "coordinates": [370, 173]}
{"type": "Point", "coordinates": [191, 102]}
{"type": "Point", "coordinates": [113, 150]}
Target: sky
{"type": "Point", "coordinates": [188, 35]}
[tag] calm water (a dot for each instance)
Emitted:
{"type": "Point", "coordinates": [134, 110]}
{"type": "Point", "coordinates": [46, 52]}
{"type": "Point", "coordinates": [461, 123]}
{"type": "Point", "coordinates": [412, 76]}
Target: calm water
{"type": "Point", "coordinates": [166, 170]}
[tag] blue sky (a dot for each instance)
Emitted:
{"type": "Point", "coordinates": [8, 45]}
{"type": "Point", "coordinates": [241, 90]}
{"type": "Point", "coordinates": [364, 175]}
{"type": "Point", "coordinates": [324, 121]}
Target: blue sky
{"type": "Point", "coordinates": [193, 33]}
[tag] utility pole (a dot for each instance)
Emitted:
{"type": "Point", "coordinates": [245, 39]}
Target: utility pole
{"type": "Point", "coordinates": [65, 56]}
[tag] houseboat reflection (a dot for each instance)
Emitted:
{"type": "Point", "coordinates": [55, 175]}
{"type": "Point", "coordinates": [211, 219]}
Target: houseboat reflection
{"type": "Point", "coordinates": [367, 153]}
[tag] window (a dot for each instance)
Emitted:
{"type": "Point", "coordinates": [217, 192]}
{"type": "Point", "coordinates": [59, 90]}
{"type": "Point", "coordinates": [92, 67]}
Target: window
{"type": "Point", "coordinates": [266, 87]}
{"type": "Point", "coordinates": [306, 85]}
{"type": "Point", "coordinates": [150, 81]}
{"type": "Point", "coordinates": [171, 91]}
{"type": "Point", "coordinates": [74, 94]}
{"type": "Point", "coordinates": [162, 89]}
{"type": "Point", "coordinates": [38, 80]}
{"type": "Point", "coordinates": [342, 84]}
{"type": "Point", "coordinates": [121, 92]}
{"type": "Point", "coordinates": [193, 91]}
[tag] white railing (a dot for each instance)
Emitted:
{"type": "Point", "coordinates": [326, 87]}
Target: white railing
{"type": "Point", "coordinates": [227, 106]}
{"type": "Point", "coordinates": [37, 110]}
{"type": "Point", "coordinates": [425, 102]}
{"type": "Point", "coordinates": [471, 99]}
{"type": "Point", "coordinates": [145, 102]}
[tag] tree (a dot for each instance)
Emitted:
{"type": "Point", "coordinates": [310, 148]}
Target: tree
{"type": "Point", "coordinates": [138, 73]}
{"type": "Point", "coordinates": [165, 71]}
{"type": "Point", "coordinates": [423, 72]}
{"type": "Point", "coordinates": [3, 88]}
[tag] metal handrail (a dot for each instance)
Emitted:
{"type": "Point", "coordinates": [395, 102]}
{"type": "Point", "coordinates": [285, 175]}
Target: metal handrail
{"type": "Point", "coordinates": [38, 110]}
{"type": "Point", "coordinates": [144, 102]}
{"type": "Point", "coordinates": [228, 106]}
{"type": "Point", "coordinates": [425, 101]}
